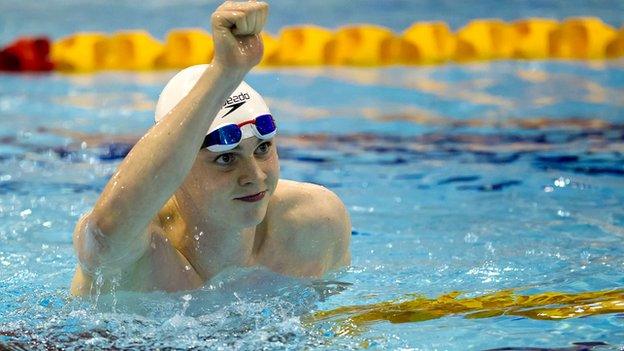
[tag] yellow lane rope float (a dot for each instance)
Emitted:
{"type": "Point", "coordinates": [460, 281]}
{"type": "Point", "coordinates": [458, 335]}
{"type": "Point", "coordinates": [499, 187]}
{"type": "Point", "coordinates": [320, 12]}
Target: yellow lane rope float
{"type": "Point", "coordinates": [353, 320]}
{"type": "Point", "coordinates": [353, 45]}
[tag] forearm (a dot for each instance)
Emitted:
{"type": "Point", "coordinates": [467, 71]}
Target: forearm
{"type": "Point", "coordinates": [160, 161]}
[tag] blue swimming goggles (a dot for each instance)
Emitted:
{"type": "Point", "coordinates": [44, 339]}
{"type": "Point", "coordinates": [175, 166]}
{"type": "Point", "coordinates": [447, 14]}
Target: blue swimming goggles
{"type": "Point", "coordinates": [229, 136]}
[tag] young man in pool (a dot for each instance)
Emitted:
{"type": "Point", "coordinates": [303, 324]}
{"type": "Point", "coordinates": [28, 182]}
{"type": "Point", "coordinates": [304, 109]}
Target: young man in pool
{"type": "Point", "coordinates": [186, 203]}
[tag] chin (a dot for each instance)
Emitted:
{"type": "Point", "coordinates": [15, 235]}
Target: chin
{"type": "Point", "coordinates": [254, 215]}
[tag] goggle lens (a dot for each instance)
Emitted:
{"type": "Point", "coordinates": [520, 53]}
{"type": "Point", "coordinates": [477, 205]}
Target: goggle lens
{"type": "Point", "coordinates": [230, 135]}
{"type": "Point", "coordinates": [265, 125]}
{"type": "Point", "coordinates": [226, 135]}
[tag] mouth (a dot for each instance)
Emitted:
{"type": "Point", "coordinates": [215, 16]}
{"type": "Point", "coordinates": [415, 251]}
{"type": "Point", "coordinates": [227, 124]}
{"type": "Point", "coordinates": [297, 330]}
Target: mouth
{"type": "Point", "coordinates": [252, 198]}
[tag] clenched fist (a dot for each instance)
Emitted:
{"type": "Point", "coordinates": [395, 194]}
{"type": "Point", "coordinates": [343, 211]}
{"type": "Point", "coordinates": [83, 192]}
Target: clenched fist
{"type": "Point", "coordinates": [235, 30]}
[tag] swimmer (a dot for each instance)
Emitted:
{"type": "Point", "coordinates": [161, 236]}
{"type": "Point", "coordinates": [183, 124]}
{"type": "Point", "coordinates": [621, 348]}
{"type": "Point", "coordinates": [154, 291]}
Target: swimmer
{"type": "Point", "coordinates": [200, 191]}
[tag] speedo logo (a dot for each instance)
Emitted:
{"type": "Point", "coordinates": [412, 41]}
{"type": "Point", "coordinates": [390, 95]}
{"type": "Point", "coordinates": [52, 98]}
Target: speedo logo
{"type": "Point", "coordinates": [235, 102]}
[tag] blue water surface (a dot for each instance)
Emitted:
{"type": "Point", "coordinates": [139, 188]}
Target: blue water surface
{"type": "Point", "coordinates": [472, 178]}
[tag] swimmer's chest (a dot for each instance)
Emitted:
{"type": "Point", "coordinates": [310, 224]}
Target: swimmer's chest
{"type": "Point", "coordinates": [163, 267]}
{"type": "Point", "coordinates": [287, 250]}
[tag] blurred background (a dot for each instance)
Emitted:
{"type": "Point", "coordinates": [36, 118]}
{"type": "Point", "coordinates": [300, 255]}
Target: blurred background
{"type": "Point", "coordinates": [57, 18]}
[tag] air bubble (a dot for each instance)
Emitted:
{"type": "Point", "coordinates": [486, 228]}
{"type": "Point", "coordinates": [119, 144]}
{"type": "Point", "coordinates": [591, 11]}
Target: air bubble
{"type": "Point", "coordinates": [561, 182]}
{"type": "Point", "coordinates": [562, 213]}
{"type": "Point", "coordinates": [471, 238]}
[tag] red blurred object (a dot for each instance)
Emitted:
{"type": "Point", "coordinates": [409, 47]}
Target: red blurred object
{"type": "Point", "coordinates": [27, 54]}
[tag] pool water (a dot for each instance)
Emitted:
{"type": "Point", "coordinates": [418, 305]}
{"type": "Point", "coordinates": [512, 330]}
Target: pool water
{"type": "Point", "coordinates": [479, 179]}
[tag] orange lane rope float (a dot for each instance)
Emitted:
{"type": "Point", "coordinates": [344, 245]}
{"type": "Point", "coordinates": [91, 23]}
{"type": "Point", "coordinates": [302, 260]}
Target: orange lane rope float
{"type": "Point", "coordinates": [353, 320]}
{"type": "Point", "coordinates": [307, 45]}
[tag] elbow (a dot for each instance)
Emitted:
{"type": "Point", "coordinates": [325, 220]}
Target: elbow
{"type": "Point", "coordinates": [103, 252]}
{"type": "Point", "coordinates": [89, 243]}
{"type": "Point", "coordinates": [94, 248]}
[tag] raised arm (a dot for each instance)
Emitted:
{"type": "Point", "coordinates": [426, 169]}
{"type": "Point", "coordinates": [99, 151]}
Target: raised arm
{"type": "Point", "coordinates": [114, 234]}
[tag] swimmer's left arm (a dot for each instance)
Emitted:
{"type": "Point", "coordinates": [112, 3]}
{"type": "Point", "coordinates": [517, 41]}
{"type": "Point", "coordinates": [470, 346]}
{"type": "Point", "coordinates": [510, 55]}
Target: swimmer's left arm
{"type": "Point", "coordinates": [313, 227]}
{"type": "Point", "coordinates": [327, 228]}
{"type": "Point", "coordinates": [340, 226]}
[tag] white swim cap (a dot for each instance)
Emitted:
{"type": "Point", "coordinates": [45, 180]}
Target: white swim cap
{"type": "Point", "coordinates": [243, 105]}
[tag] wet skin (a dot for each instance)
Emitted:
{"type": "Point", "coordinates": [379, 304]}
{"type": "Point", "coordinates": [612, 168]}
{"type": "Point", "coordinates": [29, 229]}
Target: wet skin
{"type": "Point", "coordinates": [171, 217]}
{"type": "Point", "coordinates": [208, 225]}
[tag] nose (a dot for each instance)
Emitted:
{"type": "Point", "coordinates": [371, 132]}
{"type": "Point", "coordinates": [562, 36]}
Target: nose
{"type": "Point", "coordinates": [251, 173]}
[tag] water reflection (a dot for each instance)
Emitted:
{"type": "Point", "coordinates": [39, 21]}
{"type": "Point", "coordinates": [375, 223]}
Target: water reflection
{"type": "Point", "coordinates": [587, 146]}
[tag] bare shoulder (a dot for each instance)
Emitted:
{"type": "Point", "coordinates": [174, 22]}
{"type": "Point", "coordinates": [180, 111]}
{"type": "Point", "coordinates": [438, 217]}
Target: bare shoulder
{"type": "Point", "coordinates": [314, 219]}
{"type": "Point", "coordinates": [309, 202]}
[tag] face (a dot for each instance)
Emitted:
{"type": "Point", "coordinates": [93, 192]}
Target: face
{"type": "Point", "coordinates": [221, 185]}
